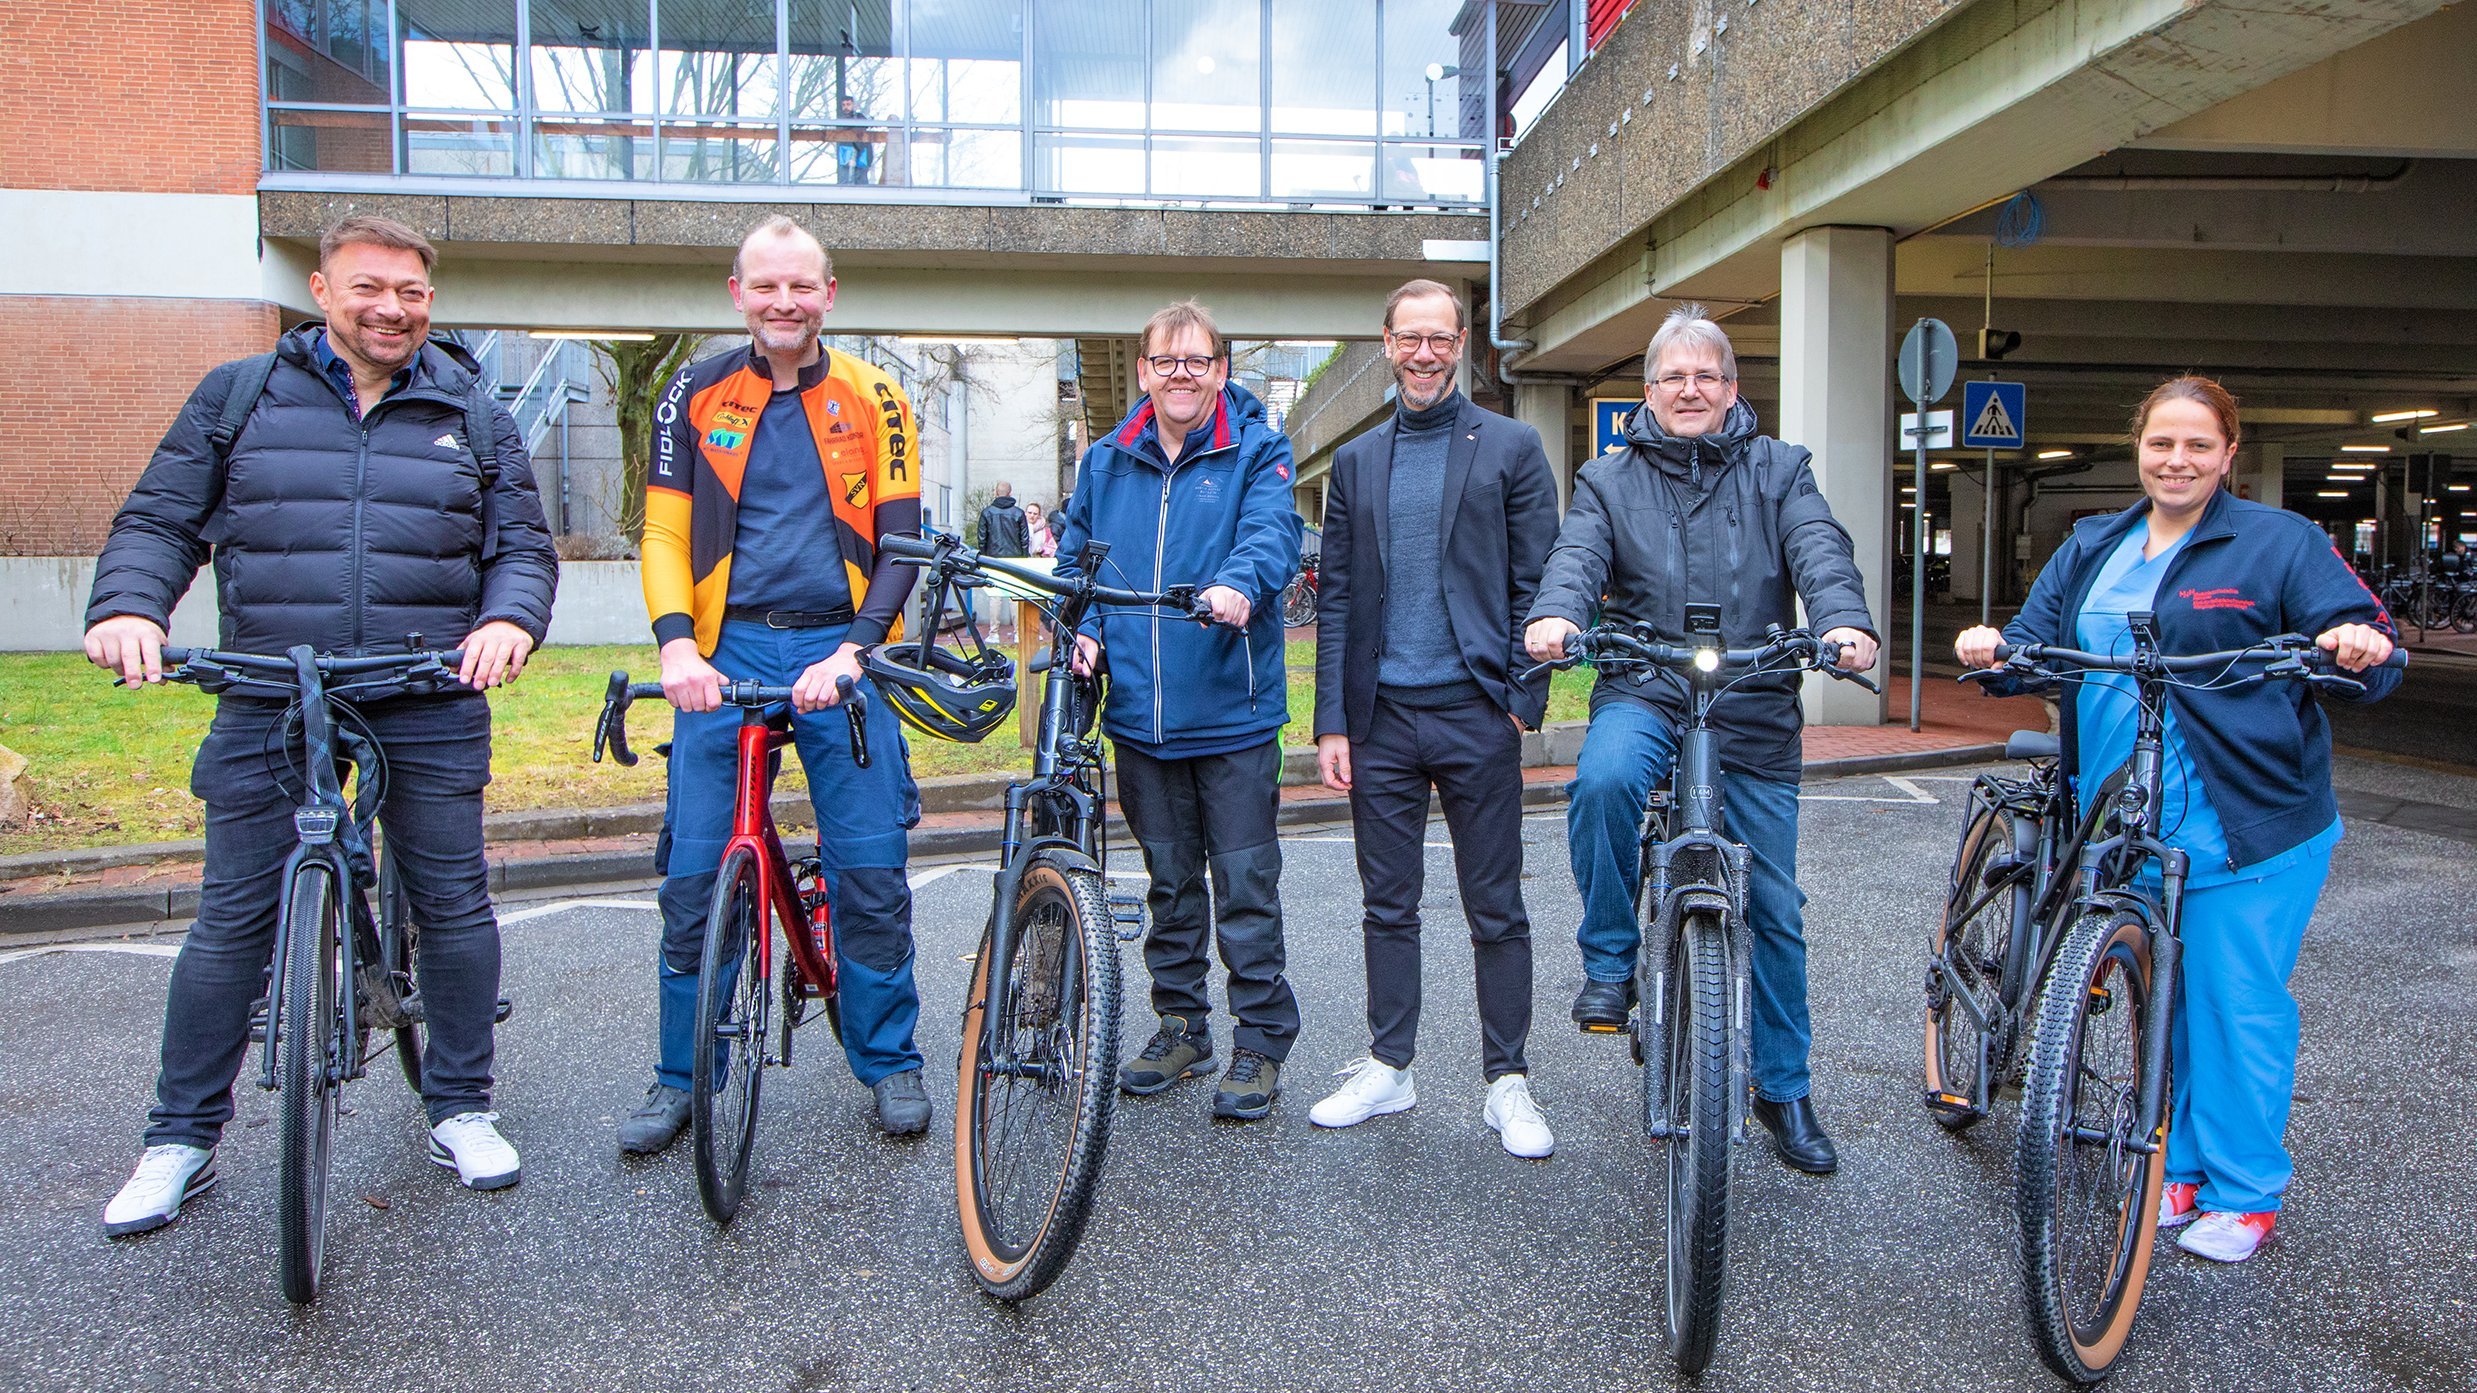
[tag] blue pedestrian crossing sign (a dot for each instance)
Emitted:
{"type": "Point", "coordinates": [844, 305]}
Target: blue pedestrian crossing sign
{"type": "Point", "coordinates": [1994, 415]}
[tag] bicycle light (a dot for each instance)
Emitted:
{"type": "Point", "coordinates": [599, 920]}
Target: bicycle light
{"type": "Point", "coordinates": [1707, 660]}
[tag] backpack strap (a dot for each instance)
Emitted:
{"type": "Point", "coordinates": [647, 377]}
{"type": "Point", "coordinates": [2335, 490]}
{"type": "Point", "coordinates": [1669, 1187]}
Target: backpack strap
{"type": "Point", "coordinates": [249, 382]}
{"type": "Point", "coordinates": [481, 436]}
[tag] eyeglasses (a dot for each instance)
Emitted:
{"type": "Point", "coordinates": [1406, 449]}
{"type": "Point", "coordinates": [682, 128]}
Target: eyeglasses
{"type": "Point", "coordinates": [1676, 381]}
{"type": "Point", "coordinates": [1438, 344]}
{"type": "Point", "coordinates": [1167, 366]}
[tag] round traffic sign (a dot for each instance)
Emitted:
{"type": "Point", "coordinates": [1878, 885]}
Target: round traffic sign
{"type": "Point", "coordinates": [1929, 357]}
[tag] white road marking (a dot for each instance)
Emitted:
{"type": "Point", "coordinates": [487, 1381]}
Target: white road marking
{"type": "Point", "coordinates": [1906, 785]}
{"type": "Point", "coordinates": [142, 950]}
{"type": "Point", "coordinates": [544, 910]}
{"type": "Point", "coordinates": [1353, 841]}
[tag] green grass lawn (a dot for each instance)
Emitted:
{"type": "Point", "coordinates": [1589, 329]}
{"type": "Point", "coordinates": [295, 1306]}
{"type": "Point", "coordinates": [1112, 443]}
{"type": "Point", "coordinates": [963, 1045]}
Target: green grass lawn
{"type": "Point", "coordinates": [109, 766]}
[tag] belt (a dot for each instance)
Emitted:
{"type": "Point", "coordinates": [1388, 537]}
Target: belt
{"type": "Point", "coordinates": [788, 618]}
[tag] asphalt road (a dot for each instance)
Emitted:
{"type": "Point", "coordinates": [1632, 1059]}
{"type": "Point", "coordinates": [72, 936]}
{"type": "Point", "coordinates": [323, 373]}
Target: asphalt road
{"type": "Point", "coordinates": [1409, 1252]}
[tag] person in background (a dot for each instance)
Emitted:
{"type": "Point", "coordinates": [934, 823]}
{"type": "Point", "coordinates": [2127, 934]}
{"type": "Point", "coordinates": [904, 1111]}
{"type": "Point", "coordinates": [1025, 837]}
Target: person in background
{"type": "Point", "coordinates": [1036, 525]}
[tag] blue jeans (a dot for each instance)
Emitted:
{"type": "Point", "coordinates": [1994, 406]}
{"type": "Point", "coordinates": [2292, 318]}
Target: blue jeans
{"type": "Point", "coordinates": [1629, 751]}
{"type": "Point", "coordinates": [863, 816]}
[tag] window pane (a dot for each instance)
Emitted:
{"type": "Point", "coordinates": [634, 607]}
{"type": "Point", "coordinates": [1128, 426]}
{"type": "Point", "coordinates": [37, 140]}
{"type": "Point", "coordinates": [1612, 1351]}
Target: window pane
{"type": "Point", "coordinates": [1206, 168]}
{"type": "Point", "coordinates": [444, 143]}
{"type": "Point", "coordinates": [718, 152]}
{"type": "Point", "coordinates": [592, 55]}
{"type": "Point", "coordinates": [1433, 174]}
{"type": "Point", "coordinates": [1324, 68]}
{"type": "Point", "coordinates": [329, 51]}
{"type": "Point", "coordinates": [718, 58]}
{"type": "Point", "coordinates": [1088, 66]}
{"type": "Point", "coordinates": [458, 54]}
{"type": "Point", "coordinates": [1418, 41]}
{"type": "Point", "coordinates": [967, 64]}
{"type": "Point", "coordinates": [1207, 73]}
{"type": "Point", "coordinates": [593, 150]}
{"type": "Point", "coordinates": [347, 140]}
{"type": "Point", "coordinates": [972, 159]}
{"type": "Point", "coordinates": [1307, 169]}
{"type": "Point", "coordinates": [845, 60]}
{"type": "Point", "coordinates": [844, 155]}
{"type": "Point", "coordinates": [1092, 163]}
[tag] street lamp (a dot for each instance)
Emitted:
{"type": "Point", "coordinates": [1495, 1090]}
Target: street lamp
{"type": "Point", "coordinates": [1437, 72]}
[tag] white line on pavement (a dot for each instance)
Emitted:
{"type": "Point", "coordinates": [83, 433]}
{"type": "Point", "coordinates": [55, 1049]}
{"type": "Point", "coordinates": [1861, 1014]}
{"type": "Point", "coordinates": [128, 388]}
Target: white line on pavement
{"type": "Point", "coordinates": [143, 950]}
{"type": "Point", "coordinates": [543, 910]}
{"type": "Point", "coordinates": [1916, 794]}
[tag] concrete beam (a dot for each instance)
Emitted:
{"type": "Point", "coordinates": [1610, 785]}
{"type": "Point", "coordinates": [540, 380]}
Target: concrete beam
{"type": "Point", "coordinates": [2406, 94]}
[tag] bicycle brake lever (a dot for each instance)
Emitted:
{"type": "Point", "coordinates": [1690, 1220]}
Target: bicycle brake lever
{"type": "Point", "coordinates": [855, 704]}
{"type": "Point", "coordinates": [612, 728]}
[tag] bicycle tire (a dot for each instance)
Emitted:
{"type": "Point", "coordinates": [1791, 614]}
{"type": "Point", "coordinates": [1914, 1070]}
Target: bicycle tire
{"type": "Point", "coordinates": [734, 999]}
{"type": "Point", "coordinates": [2057, 1182]}
{"type": "Point", "coordinates": [1957, 1051]}
{"type": "Point", "coordinates": [1298, 603]}
{"type": "Point", "coordinates": [399, 943]}
{"type": "Point", "coordinates": [2464, 612]}
{"type": "Point", "coordinates": [305, 1039]}
{"type": "Point", "coordinates": [1021, 1226]}
{"type": "Point", "coordinates": [1699, 1142]}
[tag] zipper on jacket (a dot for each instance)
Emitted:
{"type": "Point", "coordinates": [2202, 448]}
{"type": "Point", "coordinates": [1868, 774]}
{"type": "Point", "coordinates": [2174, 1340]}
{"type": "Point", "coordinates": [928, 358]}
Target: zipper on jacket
{"type": "Point", "coordinates": [361, 499]}
{"type": "Point", "coordinates": [1160, 540]}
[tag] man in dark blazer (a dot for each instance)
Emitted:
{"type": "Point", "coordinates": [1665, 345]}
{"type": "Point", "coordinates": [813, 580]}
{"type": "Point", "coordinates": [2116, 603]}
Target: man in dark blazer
{"type": "Point", "coordinates": [1436, 526]}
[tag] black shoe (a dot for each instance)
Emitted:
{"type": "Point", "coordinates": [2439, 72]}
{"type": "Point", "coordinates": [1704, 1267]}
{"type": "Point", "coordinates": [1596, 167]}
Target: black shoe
{"type": "Point", "coordinates": [1797, 1135]}
{"type": "Point", "coordinates": [1248, 1087]}
{"type": "Point", "coordinates": [1604, 1005]}
{"type": "Point", "coordinates": [902, 1105]}
{"type": "Point", "coordinates": [657, 1121]}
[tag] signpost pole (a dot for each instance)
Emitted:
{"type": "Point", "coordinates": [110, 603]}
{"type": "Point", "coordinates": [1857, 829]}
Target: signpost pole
{"type": "Point", "coordinates": [1928, 358]}
{"type": "Point", "coordinates": [1986, 538]}
{"type": "Point", "coordinates": [1918, 583]}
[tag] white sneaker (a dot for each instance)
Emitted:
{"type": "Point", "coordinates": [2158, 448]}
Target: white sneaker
{"type": "Point", "coordinates": [1517, 1118]}
{"type": "Point", "coordinates": [166, 1177]}
{"type": "Point", "coordinates": [470, 1145]}
{"type": "Point", "coordinates": [2224, 1237]}
{"type": "Point", "coordinates": [1372, 1089]}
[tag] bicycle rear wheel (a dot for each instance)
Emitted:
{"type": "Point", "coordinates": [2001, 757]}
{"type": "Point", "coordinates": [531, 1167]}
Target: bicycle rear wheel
{"type": "Point", "coordinates": [1298, 602]}
{"type": "Point", "coordinates": [1971, 939]}
{"type": "Point", "coordinates": [1032, 1117]}
{"type": "Point", "coordinates": [2087, 1190]}
{"type": "Point", "coordinates": [399, 941]}
{"type": "Point", "coordinates": [306, 1033]}
{"type": "Point", "coordinates": [734, 999]}
{"type": "Point", "coordinates": [1695, 1007]}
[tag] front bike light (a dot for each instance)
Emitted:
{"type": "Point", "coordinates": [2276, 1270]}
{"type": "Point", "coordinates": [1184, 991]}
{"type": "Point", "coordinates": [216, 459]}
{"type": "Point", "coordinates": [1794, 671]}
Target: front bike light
{"type": "Point", "coordinates": [1707, 660]}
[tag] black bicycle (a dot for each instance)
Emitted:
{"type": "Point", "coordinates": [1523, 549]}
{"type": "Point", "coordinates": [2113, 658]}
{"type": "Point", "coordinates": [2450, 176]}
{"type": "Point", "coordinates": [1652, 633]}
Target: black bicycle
{"type": "Point", "coordinates": [1036, 1077]}
{"type": "Point", "coordinates": [2072, 942]}
{"type": "Point", "coordinates": [1693, 972]}
{"type": "Point", "coordinates": [340, 972]}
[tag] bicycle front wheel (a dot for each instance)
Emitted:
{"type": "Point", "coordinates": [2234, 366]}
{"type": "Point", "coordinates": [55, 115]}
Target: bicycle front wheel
{"type": "Point", "coordinates": [306, 1040]}
{"type": "Point", "coordinates": [1298, 603]}
{"type": "Point", "coordinates": [1970, 942]}
{"type": "Point", "coordinates": [1033, 1107]}
{"type": "Point", "coordinates": [733, 1001]}
{"type": "Point", "coordinates": [2087, 1186]}
{"type": "Point", "coordinates": [1695, 1004]}
{"type": "Point", "coordinates": [399, 940]}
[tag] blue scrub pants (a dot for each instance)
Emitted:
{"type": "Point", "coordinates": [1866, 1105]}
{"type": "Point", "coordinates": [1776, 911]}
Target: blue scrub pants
{"type": "Point", "coordinates": [863, 816]}
{"type": "Point", "coordinates": [2233, 1043]}
{"type": "Point", "coordinates": [1628, 750]}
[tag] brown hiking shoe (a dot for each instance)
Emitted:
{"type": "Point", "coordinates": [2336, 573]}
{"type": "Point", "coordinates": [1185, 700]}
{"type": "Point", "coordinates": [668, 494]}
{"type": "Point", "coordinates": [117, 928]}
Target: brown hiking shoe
{"type": "Point", "coordinates": [1248, 1087]}
{"type": "Point", "coordinates": [1173, 1053]}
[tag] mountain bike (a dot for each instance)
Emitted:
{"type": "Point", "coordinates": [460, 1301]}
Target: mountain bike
{"type": "Point", "coordinates": [756, 887]}
{"type": "Point", "coordinates": [1036, 1075]}
{"type": "Point", "coordinates": [339, 971]}
{"type": "Point", "coordinates": [1693, 972]}
{"type": "Point", "coordinates": [2096, 979]}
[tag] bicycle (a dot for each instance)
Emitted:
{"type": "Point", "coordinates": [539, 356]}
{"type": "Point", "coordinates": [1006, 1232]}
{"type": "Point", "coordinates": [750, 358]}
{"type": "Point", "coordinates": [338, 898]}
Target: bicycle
{"type": "Point", "coordinates": [1036, 1074]}
{"type": "Point", "coordinates": [756, 887]}
{"type": "Point", "coordinates": [2096, 981]}
{"type": "Point", "coordinates": [1299, 596]}
{"type": "Point", "coordinates": [339, 972]}
{"type": "Point", "coordinates": [1694, 972]}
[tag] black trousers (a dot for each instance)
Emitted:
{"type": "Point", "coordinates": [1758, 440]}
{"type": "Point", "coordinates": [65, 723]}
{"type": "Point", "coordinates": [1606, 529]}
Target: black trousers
{"type": "Point", "coordinates": [438, 759]}
{"type": "Point", "coordinates": [1214, 812]}
{"type": "Point", "coordinates": [1472, 754]}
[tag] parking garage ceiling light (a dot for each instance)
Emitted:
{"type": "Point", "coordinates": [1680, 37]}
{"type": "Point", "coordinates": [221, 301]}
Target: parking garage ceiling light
{"type": "Point", "coordinates": [2442, 430]}
{"type": "Point", "coordinates": [2055, 454]}
{"type": "Point", "coordinates": [605, 335]}
{"type": "Point", "coordinates": [2419, 414]}
{"type": "Point", "coordinates": [2365, 449]}
{"type": "Point", "coordinates": [2331, 493]}
{"type": "Point", "coordinates": [2456, 488]}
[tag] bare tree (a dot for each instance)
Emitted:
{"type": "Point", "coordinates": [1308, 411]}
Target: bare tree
{"type": "Point", "coordinates": [635, 374]}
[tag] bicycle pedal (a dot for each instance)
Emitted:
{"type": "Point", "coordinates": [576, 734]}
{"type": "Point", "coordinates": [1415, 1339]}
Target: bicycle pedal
{"type": "Point", "coordinates": [258, 1026]}
{"type": "Point", "coordinates": [505, 1009]}
{"type": "Point", "coordinates": [1127, 912]}
{"type": "Point", "coordinates": [1952, 1104]}
{"type": "Point", "coordinates": [1604, 1028]}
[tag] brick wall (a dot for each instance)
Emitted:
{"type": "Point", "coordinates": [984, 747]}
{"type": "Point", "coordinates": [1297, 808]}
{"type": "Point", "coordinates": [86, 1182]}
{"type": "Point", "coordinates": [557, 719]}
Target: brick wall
{"type": "Point", "coordinates": [92, 385]}
{"type": "Point", "coordinates": [151, 96]}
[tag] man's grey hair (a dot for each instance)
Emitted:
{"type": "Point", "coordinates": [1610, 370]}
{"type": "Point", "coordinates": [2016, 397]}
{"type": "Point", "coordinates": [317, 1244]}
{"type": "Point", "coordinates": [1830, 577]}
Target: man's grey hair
{"type": "Point", "coordinates": [1690, 326]}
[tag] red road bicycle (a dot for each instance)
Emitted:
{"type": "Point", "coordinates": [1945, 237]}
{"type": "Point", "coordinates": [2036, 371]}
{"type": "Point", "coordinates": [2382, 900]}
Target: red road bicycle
{"type": "Point", "coordinates": [757, 887]}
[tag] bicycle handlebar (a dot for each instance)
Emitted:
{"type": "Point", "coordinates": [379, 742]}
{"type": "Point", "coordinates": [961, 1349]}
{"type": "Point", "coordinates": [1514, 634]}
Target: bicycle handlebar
{"type": "Point", "coordinates": [947, 553]}
{"type": "Point", "coordinates": [2286, 655]}
{"type": "Point", "coordinates": [267, 675]}
{"type": "Point", "coordinates": [1631, 645]}
{"type": "Point", "coordinates": [611, 730]}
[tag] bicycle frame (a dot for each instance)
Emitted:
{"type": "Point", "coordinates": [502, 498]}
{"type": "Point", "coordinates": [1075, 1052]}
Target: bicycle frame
{"type": "Point", "coordinates": [327, 832]}
{"type": "Point", "coordinates": [761, 738]}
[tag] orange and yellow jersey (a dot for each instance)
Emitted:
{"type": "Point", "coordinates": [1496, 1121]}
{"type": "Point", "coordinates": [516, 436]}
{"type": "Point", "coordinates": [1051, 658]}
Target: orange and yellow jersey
{"type": "Point", "coordinates": [703, 428]}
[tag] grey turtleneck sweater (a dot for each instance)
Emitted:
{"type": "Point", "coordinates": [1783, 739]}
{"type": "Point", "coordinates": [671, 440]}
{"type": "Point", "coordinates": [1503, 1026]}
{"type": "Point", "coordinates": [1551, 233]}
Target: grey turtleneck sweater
{"type": "Point", "coordinates": [1419, 664]}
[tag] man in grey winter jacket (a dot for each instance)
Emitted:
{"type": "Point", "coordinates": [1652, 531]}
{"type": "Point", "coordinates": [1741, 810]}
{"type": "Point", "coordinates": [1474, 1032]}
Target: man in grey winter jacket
{"type": "Point", "coordinates": [1699, 508]}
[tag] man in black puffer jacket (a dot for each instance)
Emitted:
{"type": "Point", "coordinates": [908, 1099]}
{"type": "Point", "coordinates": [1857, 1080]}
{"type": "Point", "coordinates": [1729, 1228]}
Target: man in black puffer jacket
{"type": "Point", "coordinates": [349, 512]}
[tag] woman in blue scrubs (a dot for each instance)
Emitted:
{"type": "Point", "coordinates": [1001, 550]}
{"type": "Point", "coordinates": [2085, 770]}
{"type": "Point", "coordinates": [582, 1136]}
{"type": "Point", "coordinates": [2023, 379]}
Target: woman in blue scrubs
{"type": "Point", "coordinates": [2247, 789]}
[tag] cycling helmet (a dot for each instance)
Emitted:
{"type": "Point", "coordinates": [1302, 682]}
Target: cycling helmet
{"type": "Point", "coordinates": [943, 693]}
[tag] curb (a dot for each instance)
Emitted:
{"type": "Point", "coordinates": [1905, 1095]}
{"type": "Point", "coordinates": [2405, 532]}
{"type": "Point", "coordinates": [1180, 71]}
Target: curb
{"type": "Point", "coordinates": [146, 908]}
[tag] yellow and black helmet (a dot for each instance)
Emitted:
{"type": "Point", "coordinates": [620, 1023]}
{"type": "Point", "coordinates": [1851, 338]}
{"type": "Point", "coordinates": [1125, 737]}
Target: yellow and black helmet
{"type": "Point", "coordinates": [943, 693]}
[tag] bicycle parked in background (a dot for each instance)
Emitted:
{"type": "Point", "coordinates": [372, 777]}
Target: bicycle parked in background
{"type": "Point", "coordinates": [1694, 972]}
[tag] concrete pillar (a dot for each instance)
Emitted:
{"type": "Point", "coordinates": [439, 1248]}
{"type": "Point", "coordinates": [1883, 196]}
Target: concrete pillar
{"type": "Point", "coordinates": [1836, 342]}
{"type": "Point", "coordinates": [1549, 409]}
{"type": "Point", "coordinates": [2269, 472]}
{"type": "Point", "coordinates": [1969, 510]}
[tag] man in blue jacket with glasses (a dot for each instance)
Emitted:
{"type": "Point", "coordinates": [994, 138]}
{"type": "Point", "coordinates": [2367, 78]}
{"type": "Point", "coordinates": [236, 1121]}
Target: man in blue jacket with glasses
{"type": "Point", "coordinates": [1193, 488]}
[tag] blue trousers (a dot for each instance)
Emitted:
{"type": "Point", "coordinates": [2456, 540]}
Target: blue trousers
{"type": "Point", "coordinates": [2233, 1045]}
{"type": "Point", "coordinates": [863, 816]}
{"type": "Point", "coordinates": [1629, 750]}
